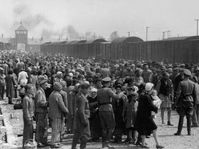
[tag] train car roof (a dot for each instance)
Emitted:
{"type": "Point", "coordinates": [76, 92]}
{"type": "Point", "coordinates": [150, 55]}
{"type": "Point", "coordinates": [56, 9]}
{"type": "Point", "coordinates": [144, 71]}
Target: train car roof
{"type": "Point", "coordinates": [183, 38]}
{"type": "Point", "coordinates": [126, 39]}
{"type": "Point", "coordinates": [96, 41]}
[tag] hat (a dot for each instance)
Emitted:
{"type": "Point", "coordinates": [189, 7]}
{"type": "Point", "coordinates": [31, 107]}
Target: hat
{"type": "Point", "coordinates": [187, 72]}
{"type": "Point", "coordinates": [42, 80]}
{"type": "Point", "coordinates": [84, 85]}
{"type": "Point", "coordinates": [107, 79]}
{"type": "Point", "coordinates": [134, 88]}
{"type": "Point", "coordinates": [93, 89]}
{"type": "Point", "coordinates": [70, 74]}
{"type": "Point", "coordinates": [197, 69]}
{"type": "Point", "coordinates": [149, 86]}
{"type": "Point", "coordinates": [57, 86]}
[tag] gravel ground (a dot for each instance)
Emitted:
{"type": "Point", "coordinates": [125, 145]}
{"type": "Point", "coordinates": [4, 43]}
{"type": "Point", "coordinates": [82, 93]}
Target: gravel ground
{"type": "Point", "coordinates": [165, 133]}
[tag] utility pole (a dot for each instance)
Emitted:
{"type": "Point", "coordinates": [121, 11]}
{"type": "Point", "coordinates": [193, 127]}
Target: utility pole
{"type": "Point", "coordinates": [129, 34]}
{"type": "Point", "coordinates": [197, 26]}
{"type": "Point", "coordinates": [168, 33]}
{"type": "Point", "coordinates": [147, 29]}
{"type": "Point", "coordinates": [163, 35]}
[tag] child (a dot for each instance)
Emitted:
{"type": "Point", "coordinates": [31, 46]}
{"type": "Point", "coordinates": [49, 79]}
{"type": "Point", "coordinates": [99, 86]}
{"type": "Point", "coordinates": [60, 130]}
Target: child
{"type": "Point", "coordinates": [130, 111]}
{"type": "Point", "coordinates": [156, 101]}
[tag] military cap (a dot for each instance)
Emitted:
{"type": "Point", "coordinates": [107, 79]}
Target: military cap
{"type": "Point", "coordinates": [187, 72]}
{"type": "Point", "coordinates": [106, 79]}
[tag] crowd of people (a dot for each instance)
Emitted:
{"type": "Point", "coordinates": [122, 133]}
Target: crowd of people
{"type": "Point", "coordinates": [98, 99]}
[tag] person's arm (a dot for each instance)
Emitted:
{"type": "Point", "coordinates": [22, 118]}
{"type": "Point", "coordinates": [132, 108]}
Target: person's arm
{"type": "Point", "coordinates": [178, 93]}
{"type": "Point", "coordinates": [26, 113]}
{"type": "Point", "coordinates": [81, 109]}
{"type": "Point", "coordinates": [158, 86]}
{"type": "Point", "coordinates": [150, 105]}
{"type": "Point", "coordinates": [40, 100]}
{"type": "Point", "coordinates": [61, 104]}
{"type": "Point", "coordinates": [113, 95]}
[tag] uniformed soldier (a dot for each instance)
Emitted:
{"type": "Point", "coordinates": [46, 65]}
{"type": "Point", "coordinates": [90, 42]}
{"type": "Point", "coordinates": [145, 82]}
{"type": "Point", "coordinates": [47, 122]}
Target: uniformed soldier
{"type": "Point", "coordinates": [82, 128]}
{"type": "Point", "coordinates": [41, 112]}
{"type": "Point", "coordinates": [185, 101]}
{"type": "Point", "coordinates": [106, 114]}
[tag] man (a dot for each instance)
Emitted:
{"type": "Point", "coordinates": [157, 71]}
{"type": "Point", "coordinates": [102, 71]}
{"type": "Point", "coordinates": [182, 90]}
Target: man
{"type": "Point", "coordinates": [28, 113]}
{"type": "Point", "coordinates": [57, 111]}
{"type": "Point", "coordinates": [165, 92]}
{"type": "Point", "coordinates": [185, 101]}
{"type": "Point", "coordinates": [104, 97]}
{"type": "Point", "coordinates": [82, 128]}
{"type": "Point", "coordinates": [147, 73]}
{"type": "Point", "coordinates": [23, 76]}
{"type": "Point", "coordinates": [195, 117]}
{"type": "Point", "coordinates": [41, 112]}
{"type": "Point", "coordinates": [2, 83]}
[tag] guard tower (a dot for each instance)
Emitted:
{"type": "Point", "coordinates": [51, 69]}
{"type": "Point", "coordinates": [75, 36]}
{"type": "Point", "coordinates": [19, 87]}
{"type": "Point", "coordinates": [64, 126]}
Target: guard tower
{"type": "Point", "coordinates": [21, 38]}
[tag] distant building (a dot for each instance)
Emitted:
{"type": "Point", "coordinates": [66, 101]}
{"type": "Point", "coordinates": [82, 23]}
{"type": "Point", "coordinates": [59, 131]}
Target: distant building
{"type": "Point", "coordinates": [21, 38]}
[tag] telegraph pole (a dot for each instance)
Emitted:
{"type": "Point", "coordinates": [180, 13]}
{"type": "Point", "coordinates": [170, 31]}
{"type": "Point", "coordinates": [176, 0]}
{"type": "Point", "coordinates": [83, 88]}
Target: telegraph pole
{"type": "Point", "coordinates": [129, 34]}
{"type": "Point", "coordinates": [197, 26]}
{"type": "Point", "coordinates": [147, 29]}
{"type": "Point", "coordinates": [163, 35]}
{"type": "Point", "coordinates": [168, 33]}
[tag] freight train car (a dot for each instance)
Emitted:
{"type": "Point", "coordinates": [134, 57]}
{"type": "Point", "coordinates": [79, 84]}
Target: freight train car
{"type": "Point", "coordinates": [172, 50]}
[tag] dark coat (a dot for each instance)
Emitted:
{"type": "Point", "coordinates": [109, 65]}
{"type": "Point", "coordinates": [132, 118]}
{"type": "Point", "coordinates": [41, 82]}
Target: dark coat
{"type": "Point", "coordinates": [144, 122]}
{"type": "Point", "coordinates": [10, 86]}
{"type": "Point", "coordinates": [57, 108]}
{"type": "Point", "coordinates": [82, 115]}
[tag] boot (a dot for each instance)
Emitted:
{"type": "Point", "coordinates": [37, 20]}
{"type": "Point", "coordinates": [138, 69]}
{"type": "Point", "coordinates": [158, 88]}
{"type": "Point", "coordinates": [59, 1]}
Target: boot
{"type": "Point", "coordinates": [189, 125]}
{"type": "Point", "coordinates": [169, 123]}
{"type": "Point", "coordinates": [74, 143]}
{"type": "Point", "coordinates": [180, 125]}
{"type": "Point", "coordinates": [83, 143]}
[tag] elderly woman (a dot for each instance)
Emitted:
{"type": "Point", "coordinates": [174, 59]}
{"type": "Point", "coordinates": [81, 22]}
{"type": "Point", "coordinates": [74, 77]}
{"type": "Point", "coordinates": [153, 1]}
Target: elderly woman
{"type": "Point", "coordinates": [94, 115]}
{"type": "Point", "coordinates": [28, 113]}
{"type": "Point", "coordinates": [145, 124]}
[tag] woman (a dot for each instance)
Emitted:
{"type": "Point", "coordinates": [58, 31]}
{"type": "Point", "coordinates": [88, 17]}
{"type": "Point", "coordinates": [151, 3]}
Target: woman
{"type": "Point", "coordinates": [28, 113]}
{"type": "Point", "coordinates": [145, 124]}
{"type": "Point", "coordinates": [94, 115]}
{"type": "Point", "coordinates": [11, 83]}
{"type": "Point", "coordinates": [130, 111]}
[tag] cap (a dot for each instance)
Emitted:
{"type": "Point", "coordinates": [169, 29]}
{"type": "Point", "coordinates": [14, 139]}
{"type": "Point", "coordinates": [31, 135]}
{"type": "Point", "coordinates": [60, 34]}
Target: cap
{"type": "Point", "coordinates": [107, 79]}
{"type": "Point", "coordinates": [187, 72]}
{"type": "Point", "coordinates": [149, 86]}
{"type": "Point", "coordinates": [42, 80]}
{"type": "Point", "coordinates": [57, 86]}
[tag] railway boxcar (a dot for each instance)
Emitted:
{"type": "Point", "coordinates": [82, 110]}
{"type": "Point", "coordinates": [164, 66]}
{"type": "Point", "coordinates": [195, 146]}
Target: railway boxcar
{"type": "Point", "coordinates": [120, 48]}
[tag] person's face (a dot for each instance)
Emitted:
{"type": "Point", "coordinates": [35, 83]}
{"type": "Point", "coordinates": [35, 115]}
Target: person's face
{"type": "Point", "coordinates": [31, 91]}
{"type": "Point", "coordinates": [45, 85]}
{"type": "Point", "coordinates": [85, 91]}
{"type": "Point", "coordinates": [93, 94]}
{"type": "Point", "coordinates": [118, 90]}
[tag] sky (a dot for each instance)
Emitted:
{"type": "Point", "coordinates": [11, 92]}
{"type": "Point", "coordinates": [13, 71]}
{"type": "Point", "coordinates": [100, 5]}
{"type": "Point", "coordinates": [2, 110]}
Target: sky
{"type": "Point", "coordinates": [55, 18]}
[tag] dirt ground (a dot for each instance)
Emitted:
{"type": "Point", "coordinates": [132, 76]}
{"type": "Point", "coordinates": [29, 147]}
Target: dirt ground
{"type": "Point", "coordinates": [165, 133]}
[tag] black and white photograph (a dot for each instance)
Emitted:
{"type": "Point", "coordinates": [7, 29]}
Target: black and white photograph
{"type": "Point", "coordinates": [99, 74]}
